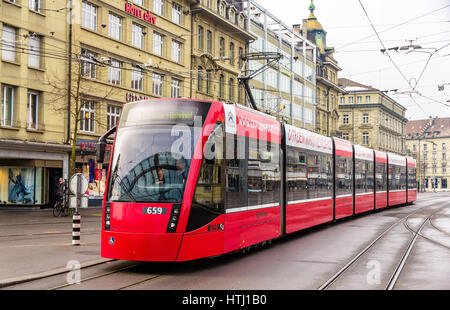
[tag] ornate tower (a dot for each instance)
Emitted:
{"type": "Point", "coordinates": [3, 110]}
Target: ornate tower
{"type": "Point", "coordinates": [314, 30]}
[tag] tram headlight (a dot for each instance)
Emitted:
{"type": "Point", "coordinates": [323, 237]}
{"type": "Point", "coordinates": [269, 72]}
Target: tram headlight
{"type": "Point", "coordinates": [107, 216]}
{"type": "Point", "coordinates": [173, 220]}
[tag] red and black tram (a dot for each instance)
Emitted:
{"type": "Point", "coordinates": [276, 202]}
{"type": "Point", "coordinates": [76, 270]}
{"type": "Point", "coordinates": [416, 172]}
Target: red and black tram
{"type": "Point", "coordinates": [189, 179]}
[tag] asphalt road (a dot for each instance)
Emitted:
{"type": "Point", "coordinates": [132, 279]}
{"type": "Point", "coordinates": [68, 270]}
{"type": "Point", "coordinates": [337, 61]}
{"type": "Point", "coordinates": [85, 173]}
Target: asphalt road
{"type": "Point", "coordinates": [404, 247]}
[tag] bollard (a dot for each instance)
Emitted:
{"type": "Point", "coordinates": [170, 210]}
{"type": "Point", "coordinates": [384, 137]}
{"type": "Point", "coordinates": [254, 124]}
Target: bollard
{"type": "Point", "coordinates": [76, 228]}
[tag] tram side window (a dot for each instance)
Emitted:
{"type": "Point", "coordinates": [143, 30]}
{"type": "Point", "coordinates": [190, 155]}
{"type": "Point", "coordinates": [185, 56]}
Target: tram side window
{"type": "Point", "coordinates": [319, 174]}
{"type": "Point", "coordinates": [344, 170]}
{"type": "Point", "coordinates": [235, 173]}
{"type": "Point", "coordinates": [402, 181]}
{"type": "Point", "coordinates": [363, 176]}
{"type": "Point", "coordinates": [411, 178]}
{"type": "Point", "coordinates": [254, 173]}
{"type": "Point", "coordinates": [297, 183]}
{"type": "Point", "coordinates": [380, 176]}
{"type": "Point", "coordinates": [270, 169]}
{"type": "Point", "coordinates": [394, 177]}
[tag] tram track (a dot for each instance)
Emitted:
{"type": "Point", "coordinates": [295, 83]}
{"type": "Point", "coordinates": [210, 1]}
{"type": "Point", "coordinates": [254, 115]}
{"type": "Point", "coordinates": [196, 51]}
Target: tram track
{"type": "Point", "coordinates": [394, 277]}
{"type": "Point", "coordinates": [341, 273]}
{"type": "Point", "coordinates": [419, 233]}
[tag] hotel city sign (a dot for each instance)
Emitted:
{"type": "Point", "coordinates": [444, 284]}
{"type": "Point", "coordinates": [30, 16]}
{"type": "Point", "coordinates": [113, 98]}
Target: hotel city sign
{"type": "Point", "coordinates": [133, 10]}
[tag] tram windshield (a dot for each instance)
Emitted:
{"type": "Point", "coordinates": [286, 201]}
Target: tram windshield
{"type": "Point", "coordinates": [152, 154]}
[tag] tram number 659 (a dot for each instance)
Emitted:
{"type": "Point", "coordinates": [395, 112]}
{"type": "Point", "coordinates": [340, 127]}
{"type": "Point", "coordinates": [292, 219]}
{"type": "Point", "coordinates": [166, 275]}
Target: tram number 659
{"type": "Point", "coordinates": [155, 210]}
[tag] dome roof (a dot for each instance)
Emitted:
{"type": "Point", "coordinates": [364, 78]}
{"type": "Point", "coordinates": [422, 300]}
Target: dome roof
{"type": "Point", "coordinates": [312, 22]}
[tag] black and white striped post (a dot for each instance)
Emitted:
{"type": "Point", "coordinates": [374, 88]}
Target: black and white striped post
{"type": "Point", "coordinates": [76, 228]}
{"type": "Point", "coordinates": [78, 184]}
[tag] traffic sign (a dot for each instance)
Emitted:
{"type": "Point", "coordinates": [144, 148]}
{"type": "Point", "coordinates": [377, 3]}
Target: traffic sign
{"type": "Point", "coordinates": [78, 184]}
{"type": "Point", "coordinates": [82, 203]}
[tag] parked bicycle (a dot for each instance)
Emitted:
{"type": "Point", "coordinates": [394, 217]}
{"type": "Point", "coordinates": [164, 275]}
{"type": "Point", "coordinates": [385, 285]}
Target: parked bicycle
{"type": "Point", "coordinates": [60, 209]}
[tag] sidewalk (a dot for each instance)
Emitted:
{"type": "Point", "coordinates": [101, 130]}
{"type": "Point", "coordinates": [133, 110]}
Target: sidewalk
{"type": "Point", "coordinates": [34, 244]}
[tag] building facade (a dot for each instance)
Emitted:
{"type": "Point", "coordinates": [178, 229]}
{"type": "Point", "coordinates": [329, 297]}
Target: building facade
{"type": "Point", "coordinates": [33, 153]}
{"type": "Point", "coordinates": [121, 51]}
{"type": "Point", "coordinates": [286, 88]}
{"type": "Point", "coordinates": [427, 141]}
{"type": "Point", "coordinates": [219, 40]}
{"type": "Point", "coordinates": [327, 69]}
{"type": "Point", "coordinates": [371, 118]}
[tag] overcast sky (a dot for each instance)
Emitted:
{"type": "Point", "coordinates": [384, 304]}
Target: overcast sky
{"type": "Point", "coordinates": [357, 47]}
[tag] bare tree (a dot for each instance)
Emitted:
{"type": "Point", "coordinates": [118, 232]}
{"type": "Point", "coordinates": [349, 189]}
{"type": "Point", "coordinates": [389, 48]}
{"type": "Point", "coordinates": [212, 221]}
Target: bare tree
{"type": "Point", "coordinates": [86, 69]}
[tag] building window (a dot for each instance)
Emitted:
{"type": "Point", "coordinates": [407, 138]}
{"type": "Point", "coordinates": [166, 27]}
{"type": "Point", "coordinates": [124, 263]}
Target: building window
{"type": "Point", "coordinates": [359, 99]}
{"type": "Point", "coordinates": [444, 156]}
{"type": "Point", "coordinates": [139, 2]}
{"type": "Point", "coordinates": [87, 119]}
{"type": "Point", "coordinates": [232, 16]}
{"type": "Point", "coordinates": [34, 46]}
{"type": "Point", "coordinates": [7, 108]}
{"type": "Point", "coordinates": [137, 79]}
{"type": "Point", "coordinates": [231, 53]}
{"type": "Point", "coordinates": [241, 54]}
{"type": "Point", "coordinates": [345, 118]}
{"type": "Point", "coordinates": [434, 146]}
{"type": "Point", "coordinates": [9, 43]}
{"type": "Point", "coordinates": [115, 72]}
{"type": "Point", "coordinates": [158, 44]}
{"type": "Point", "coordinates": [221, 9]}
{"type": "Point", "coordinates": [222, 47]}
{"type": "Point", "coordinates": [115, 26]}
{"type": "Point", "coordinates": [137, 36]}
{"type": "Point", "coordinates": [175, 89]}
{"type": "Point", "coordinates": [350, 99]}
{"type": "Point", "coordinates": [88, 67]}
{"type": "Point", "coordinates": [199, 79]}
{"type": "Point", "coordinates": [158, 7]}
{"type": "Point", "coordinates": [221, 86]}
{"type": "Point", "coordinates": [89, 16]}
{"type": "Point", "coordinates": [35, 5]}
{"type": "Point", "coordinates": [425, 147]}
{"type": "Point", "coordinates": [157, 84]}
{"type": "Point", "coordinates": [241, 21]}
{"type": "Point", "coordinates": [345, 136]}
{"type": "Point", "coordinates": [342, 100]}
{"type": "Point", "coordinates": [365, 118]}
{"type": "Point", "coordinates": [367, 99]}
{"type": "Point", "coordinates": [176, 51]}
{"type": "Point", "coordinates": [208, 41]}
{"type": "Point", "coordinates": [444, 146]}
{"type": "Point", "coordinates": [113, 115]}
{"type": "Point", "coordinates": [200, 38]}
{"type": "Point", "coordinates": [365, 138]}
{"type": "Point", "coordinates": [176, 13]}
{"type": "Point", "coordinates": [33, 110]}
{"type": "Point", "coordinates": [230, 90]}
{"type": "Point", "coordinates": [444, 168]}
{"type": "Point", "coordinates": [414, 148]}
{"type": "Point", "coordinates": [208, 82]}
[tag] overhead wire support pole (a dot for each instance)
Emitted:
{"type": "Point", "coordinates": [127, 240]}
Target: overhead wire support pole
{"type": "Point", "coordinates": [244, 78]}
{"type": "Point", "coordinates": [69, 81]}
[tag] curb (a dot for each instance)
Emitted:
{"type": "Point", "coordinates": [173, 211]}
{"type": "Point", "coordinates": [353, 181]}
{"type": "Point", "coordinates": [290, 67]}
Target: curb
{"type": "Point", "coordinates": [45, 274]}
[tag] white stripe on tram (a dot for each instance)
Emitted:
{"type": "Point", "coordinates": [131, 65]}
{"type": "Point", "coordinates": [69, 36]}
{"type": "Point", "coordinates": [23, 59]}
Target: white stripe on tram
{"type": "Point", "coordinates": [249, 208]}
{"type": "Point", "coordinates": [308, 200]}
